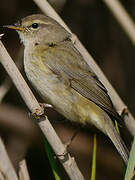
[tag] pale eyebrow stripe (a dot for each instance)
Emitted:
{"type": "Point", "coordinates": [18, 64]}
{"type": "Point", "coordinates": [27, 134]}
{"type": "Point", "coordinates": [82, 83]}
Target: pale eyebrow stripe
{"type": "Point", "coordinates": [41, 22]}
{"type": "Point", "coordinates": [38, 21]}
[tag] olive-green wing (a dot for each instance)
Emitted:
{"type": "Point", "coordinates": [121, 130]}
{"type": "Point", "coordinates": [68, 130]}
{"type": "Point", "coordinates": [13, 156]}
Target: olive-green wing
{"type": "Point", "coordinates": [64, 59]}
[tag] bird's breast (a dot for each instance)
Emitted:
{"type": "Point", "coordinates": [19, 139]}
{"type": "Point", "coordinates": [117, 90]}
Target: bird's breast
{"type": "Point", "coordinates": [64, 99]}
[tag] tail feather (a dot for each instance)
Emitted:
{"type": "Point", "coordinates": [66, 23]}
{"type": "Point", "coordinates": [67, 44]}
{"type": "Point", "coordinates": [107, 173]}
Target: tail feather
{"type": "Point", "coordinates": [117, 141]}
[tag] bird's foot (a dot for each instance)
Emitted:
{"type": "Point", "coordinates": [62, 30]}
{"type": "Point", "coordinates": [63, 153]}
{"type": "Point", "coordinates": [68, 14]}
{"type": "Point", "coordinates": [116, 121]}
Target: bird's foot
{"type": "Point", "coordinates": [39, 113]}
{"type": "Point", "coordinates": [44, 105]}
{"type": "Point", "coordinates": [68, 143]}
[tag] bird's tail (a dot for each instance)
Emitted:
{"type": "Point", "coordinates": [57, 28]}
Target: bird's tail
{"type": "Point", "coordinates": [117, 141]}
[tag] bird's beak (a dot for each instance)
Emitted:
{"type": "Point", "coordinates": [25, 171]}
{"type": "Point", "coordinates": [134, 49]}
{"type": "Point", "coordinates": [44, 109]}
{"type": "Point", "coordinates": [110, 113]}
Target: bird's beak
{"type": "Point", "coordinates": [14, 27]}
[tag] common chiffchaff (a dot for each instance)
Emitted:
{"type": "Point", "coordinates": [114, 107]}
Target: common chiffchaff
{"type": "Point", "coordinates": [61, 76]}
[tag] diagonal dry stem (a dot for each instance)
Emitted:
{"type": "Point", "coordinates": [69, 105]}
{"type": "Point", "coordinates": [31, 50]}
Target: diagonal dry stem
{"type": "Point", "coordinates": [6, 168]}
{"type": "Point", "coordinates": [4, 88]}
{"type": "Point", "coordinates": [67, 161]}
{"type": "Point", "coordinates": [23, 172]}
{"type": "Point", "coordinates": [122, 17]}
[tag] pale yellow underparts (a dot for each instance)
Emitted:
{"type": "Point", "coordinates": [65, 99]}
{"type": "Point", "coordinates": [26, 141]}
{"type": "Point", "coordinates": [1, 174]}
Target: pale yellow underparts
{"type": "Point", "coordinates": [66, 100]}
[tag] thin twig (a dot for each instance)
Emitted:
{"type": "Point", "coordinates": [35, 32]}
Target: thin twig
{"type": "Point", "coordinates": [68, 162]}
{"type": "Point", "coordinates": [23, 172]}
{"type": "Point", "coordinates": [118, 103]}
{"type": "Point", "coordinates": [122, 17]}
{"type": "Point", "coordinates": [4, 88]}
{"type": "Point", "coordinates": [32, 103]}
{"type": "Point", "coordinates": [6, 169]}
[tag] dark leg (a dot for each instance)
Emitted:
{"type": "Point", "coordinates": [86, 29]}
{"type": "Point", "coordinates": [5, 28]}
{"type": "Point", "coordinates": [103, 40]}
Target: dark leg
{"type": "Point", "coordinates": [67, 144]}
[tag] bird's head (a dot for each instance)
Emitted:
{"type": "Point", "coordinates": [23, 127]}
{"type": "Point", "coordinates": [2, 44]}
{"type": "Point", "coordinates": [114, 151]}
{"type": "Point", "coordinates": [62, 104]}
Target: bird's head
{"type": "Point", "coordinates": [39, 29]}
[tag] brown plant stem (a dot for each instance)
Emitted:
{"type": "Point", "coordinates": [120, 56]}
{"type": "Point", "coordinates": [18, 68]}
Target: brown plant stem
{"type": "Point", "coordinates": [66, 160]}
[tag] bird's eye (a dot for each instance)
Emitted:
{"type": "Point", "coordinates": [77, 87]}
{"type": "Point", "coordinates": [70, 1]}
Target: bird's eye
{"type": "Point", "coordinates": [35, 25]}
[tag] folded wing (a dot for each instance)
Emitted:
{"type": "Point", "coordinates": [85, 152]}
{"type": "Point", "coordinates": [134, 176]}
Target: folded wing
{"type": "Point", "coordinates": [63, 58]}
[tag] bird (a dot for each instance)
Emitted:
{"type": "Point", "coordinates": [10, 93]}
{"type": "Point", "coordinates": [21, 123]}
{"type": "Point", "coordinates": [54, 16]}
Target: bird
{"type": "Point", "coordinates": [61, 76]}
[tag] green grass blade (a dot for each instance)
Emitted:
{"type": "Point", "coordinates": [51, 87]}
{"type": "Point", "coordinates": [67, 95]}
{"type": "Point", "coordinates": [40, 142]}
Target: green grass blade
{"type": "Point", "coordinates": [131, 164]}
{"type": "Point", "coordinates": [93, 173]}
{"type": "Point", "coordinates": [51, 155]}
{"type": "Point", "coordinates": [117, 127]}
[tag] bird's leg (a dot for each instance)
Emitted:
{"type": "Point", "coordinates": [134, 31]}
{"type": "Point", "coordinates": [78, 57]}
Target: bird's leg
{"type": "Point", "coordinates": [68, 143]}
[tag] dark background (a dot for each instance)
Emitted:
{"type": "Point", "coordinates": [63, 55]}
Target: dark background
{"type": "Point", "coordinates": [103, 37]}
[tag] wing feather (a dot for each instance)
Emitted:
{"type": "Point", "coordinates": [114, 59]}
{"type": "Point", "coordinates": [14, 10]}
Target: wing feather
{"type": "Point", "coordinates": [64, 58]}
